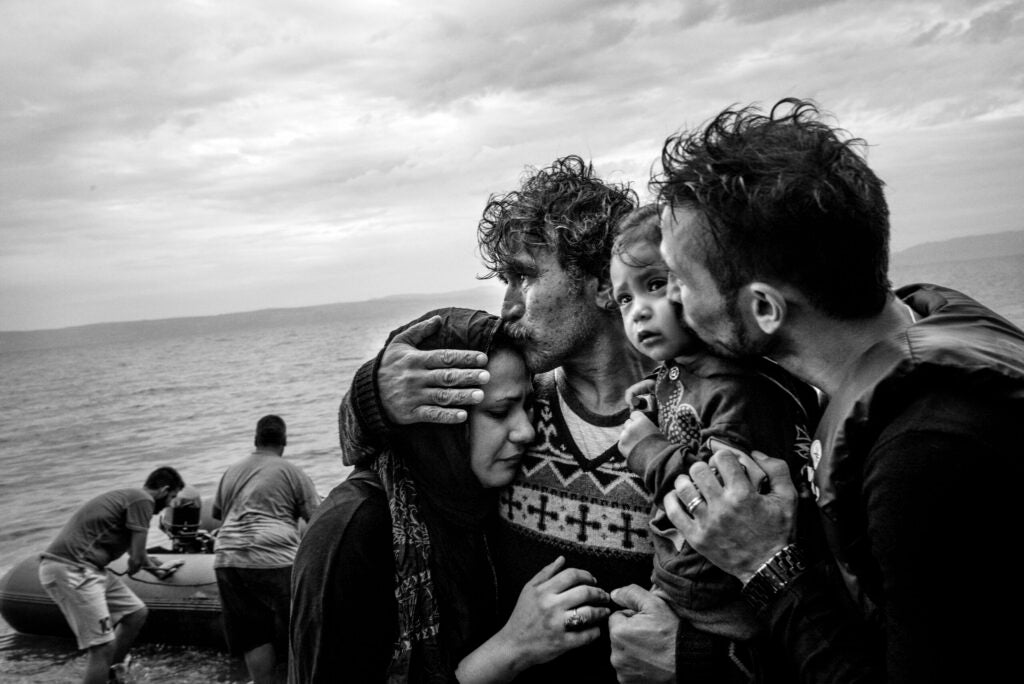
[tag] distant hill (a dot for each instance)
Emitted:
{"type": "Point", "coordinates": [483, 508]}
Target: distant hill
{"type": "Point", "coordinates": [962, 249]}
{"type": "Point", "coordinates": [409, 305]}
{"type": "Point", "coordinates": [403, 307]}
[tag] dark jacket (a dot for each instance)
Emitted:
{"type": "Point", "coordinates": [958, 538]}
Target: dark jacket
{"type": "Point", "coordinates": [917, 474]}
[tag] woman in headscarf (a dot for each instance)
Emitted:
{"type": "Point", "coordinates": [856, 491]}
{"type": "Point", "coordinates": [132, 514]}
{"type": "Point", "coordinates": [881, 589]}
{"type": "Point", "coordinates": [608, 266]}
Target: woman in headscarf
{"type": "Point", "coordinates": [394, 579]}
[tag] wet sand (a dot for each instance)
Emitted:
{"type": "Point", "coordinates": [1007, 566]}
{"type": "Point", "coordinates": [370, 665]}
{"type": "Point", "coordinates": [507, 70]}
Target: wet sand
{"type": "Point", "coordinates": [28, 659]}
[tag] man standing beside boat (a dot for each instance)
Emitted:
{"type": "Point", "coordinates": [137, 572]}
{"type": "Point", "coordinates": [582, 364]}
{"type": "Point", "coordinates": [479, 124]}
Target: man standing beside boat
{"type": "Point", "coordinates": [105, 615]}
{"type": "Point", "coordinates": [260, 499]}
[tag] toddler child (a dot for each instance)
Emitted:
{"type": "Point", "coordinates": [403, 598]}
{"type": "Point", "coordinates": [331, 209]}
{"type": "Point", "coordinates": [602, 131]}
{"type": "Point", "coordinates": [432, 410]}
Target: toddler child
{"type": "Point", "coordinates": [697, 397]}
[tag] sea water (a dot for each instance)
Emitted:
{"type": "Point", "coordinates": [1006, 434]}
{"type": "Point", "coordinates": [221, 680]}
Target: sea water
{"type": "Point", "coordinates": [76, 421]}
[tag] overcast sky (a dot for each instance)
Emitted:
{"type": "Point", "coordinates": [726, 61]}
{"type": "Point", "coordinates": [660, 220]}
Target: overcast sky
{"type": "Point", "coordinates": [163, 159]}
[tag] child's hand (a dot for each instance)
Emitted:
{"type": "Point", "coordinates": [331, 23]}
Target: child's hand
{"type": "Point", "coordinates": [642, 387]}
{"type": "Point", "coordinates": [636, 428]}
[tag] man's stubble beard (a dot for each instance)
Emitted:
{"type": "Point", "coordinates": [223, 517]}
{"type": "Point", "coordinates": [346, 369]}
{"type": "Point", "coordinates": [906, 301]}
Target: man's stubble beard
{"type": "Point", "coordinates": [572, 343]}
{"type": "Point", "coordinates": [739, 345]}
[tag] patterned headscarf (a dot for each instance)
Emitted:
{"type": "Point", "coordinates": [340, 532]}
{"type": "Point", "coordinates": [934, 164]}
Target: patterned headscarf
{"type": "Point", "coordinates": [438, 513]}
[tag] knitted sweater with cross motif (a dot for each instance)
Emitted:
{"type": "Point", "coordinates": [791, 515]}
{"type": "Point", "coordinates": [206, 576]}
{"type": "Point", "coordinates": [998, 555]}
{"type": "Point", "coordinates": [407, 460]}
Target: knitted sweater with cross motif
{"type": "Point", "coordinates": [587, 507]}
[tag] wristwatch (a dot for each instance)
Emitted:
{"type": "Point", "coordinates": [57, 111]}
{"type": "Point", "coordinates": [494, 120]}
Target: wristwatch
{"type": "Point", "coordinates": [774, 576]}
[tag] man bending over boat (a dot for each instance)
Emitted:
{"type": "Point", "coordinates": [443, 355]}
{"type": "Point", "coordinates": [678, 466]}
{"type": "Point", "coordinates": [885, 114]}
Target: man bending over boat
{"type": "Point", "coordinates": [101, 610]}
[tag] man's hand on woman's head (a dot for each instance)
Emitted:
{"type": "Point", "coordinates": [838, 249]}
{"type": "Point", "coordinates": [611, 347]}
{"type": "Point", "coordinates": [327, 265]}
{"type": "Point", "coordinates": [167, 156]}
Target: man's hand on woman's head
{"type": "Point", "coordinates": [424, 386]}
{"type": "Point", "coordinates": [737, 510]}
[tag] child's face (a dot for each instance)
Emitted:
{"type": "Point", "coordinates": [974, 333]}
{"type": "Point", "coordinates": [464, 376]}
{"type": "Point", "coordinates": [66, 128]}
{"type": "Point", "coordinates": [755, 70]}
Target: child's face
{"type": "Point", "coordinates": [501, 426]}
{"type": "Point", "coordinates": [653, 324]}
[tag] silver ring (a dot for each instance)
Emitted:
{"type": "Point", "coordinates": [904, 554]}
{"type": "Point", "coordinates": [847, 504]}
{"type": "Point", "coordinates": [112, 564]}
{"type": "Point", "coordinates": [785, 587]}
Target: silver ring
{"type": "Point", "coordinates": [574, 619]}
{"type": "Point", "coordinates": [692, 504]}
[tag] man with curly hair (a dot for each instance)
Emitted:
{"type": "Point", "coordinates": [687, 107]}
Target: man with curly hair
{"type": "Point", "coordinates": [549, 241]}
{"type": "Point", "coordinates": [777, 232]}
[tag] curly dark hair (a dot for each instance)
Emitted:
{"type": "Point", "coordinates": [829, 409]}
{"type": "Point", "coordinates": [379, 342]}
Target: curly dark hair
{"type": "Point", "coordinates": [784, 197]}
{"type": "Point", "coordinates": [563, 207]}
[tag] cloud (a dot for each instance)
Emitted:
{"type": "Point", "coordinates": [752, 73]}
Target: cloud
{"type": "Point", "coordinates": [996, 25]}
{"type": "Point", "coordinates": [218, 155]}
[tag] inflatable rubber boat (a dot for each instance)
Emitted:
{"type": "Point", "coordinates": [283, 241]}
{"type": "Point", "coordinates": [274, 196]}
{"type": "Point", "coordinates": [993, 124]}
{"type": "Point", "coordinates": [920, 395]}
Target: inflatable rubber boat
{"type": "Point", "coordinates": [183, 609]}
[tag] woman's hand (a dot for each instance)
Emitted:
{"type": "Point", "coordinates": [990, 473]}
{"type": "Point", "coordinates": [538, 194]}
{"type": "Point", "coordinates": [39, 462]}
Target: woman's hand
{"type": "Point", "coordinates": [558, 610]}
{"type": "Point", "coordinates": [537, 626]}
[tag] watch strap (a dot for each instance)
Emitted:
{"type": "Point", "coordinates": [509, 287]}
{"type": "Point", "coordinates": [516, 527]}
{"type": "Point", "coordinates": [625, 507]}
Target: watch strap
{"type": "Point", "coordinates": [774, 576]}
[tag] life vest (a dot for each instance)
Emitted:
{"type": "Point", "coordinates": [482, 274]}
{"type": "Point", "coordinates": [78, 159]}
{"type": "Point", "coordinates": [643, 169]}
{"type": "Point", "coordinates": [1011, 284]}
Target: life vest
{"type": "Point", "coordinates": [955, 342]}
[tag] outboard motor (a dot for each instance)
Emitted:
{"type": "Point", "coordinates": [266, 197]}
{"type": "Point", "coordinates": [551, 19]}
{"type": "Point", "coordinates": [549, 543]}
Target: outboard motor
{"type": "Point", "coordinates": [181, 523]}
{"type": "Point", "coordinates": [182, 527]}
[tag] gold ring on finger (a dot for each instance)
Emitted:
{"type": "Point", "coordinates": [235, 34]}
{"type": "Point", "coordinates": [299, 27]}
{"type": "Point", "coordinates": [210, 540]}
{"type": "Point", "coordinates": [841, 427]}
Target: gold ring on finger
{"type": "Point", "coordinates": [574, 619]}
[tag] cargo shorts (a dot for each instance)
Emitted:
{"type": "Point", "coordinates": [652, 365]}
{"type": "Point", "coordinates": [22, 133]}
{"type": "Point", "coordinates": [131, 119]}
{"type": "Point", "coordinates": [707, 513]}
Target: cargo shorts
{"type": "Point", "coordinates": [92, 601]}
